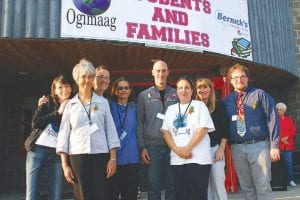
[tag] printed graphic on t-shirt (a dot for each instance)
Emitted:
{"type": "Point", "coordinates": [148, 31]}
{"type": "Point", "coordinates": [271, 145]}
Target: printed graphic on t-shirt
{"type": "Point", "coordinates": [180, 123]}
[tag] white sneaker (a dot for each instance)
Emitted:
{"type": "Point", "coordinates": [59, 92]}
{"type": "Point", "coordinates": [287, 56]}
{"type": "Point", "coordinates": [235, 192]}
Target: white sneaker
{"type": "Point", "coordinates": [293, 184]}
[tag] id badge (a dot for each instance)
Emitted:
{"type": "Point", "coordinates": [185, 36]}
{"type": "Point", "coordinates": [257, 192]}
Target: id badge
{"type": "Point", "coordinates": [123, 135]}
{"type": "Point", "coordinates": [233, 117]}
{"type": "Point", "coordinates": [92, 129]}
{"type": "Point", "coordinates": [160, 116]}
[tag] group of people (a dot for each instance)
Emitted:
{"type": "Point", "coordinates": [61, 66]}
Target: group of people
{"type": "Point", "coordinates": [180, 134]}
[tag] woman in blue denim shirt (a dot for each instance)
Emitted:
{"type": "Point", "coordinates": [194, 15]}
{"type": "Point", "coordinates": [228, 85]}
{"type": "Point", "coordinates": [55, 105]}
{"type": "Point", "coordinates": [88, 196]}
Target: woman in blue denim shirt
{"type": "Point", "coordinates": [125, 181]}
{"type": "Point", "coordinates": [42, 142]}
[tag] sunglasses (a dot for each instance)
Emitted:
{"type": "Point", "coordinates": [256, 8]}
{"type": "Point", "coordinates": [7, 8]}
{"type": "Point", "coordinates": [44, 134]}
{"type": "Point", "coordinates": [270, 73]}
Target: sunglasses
{"type": "Point", "coordinates": [123, 88]}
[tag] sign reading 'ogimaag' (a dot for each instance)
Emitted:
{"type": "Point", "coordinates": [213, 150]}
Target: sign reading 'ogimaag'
{"type": "Point", "coordinates": [195, 25]}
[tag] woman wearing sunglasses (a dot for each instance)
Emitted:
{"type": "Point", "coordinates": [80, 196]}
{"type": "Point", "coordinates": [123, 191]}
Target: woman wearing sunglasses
{"type": "Point", "coordinates": [125, 181]}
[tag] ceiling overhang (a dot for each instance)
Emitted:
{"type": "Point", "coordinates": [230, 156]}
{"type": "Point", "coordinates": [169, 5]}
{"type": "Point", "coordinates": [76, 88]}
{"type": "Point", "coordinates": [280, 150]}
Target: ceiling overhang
{"type": "Point", "coordinates": [34, 62]}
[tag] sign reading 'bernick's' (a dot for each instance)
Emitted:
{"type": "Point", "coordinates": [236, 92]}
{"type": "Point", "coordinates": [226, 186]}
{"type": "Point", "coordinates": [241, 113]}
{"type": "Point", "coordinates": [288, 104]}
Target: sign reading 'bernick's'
{"type": "Point", "coordinates": [195, 25]}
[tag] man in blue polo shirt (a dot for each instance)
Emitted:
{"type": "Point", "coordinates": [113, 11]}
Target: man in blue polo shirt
{"type": "Point", "coordinates": [254, 134]}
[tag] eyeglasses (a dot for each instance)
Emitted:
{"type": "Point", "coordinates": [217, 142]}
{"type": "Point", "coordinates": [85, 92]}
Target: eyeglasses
{"type": "Point", "coordinates": [239, 77]}
{"type": "Point", "coordinates": [123, 88]}
{"type": "Point", "coordinates": [101, 77]}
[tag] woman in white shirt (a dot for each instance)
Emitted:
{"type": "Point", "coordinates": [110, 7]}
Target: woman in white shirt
{"type": "Point", "coordinates": [41, 143]}
{"type": "Point", "coordinates": [87, 139]}
{"type": "Point", "coordinates": [185, 131]}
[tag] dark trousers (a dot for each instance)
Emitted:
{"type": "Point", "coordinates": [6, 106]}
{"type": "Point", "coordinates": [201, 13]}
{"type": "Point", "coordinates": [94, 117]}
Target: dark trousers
{"type": "Point", "coordinates": [124, 182]}
{"type": "Point", "coordinates": [191, 181]}
{"type": "Point", "coordinates": [90, 176]}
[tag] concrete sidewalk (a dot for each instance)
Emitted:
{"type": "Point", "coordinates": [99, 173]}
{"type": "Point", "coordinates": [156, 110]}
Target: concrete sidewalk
{"type": "Point", "coordinates": [293, 193]}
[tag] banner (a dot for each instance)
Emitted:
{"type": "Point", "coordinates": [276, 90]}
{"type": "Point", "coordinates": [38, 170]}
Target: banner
{"type": "Point", "coordinates": [193, 25]}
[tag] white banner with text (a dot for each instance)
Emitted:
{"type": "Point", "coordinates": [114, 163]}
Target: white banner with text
{"type": "Point", "coordinates": [219, 26]}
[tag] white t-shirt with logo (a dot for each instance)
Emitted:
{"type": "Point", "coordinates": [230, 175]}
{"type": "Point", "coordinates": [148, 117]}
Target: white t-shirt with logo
{"type": "Point", "coordinates": [182, 129]}
{"type": "Point", "coordinates": [48, 137]}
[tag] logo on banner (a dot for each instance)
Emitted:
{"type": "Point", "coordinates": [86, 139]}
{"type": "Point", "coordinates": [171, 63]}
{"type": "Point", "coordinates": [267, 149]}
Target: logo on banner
{"type": "Point", "coordinates": [92, 7]}
{"type": "Point", "coordinates": [222, 18]}
{"type": "Point", "coordinates": [241, 47]}
{"type": "Point", "coordinates": [90, 14]}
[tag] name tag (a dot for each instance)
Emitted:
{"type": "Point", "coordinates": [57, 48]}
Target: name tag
{"type": "Point", "coordinates": [160, 116]}
{"type": "Point", "coordinates": [123, 135]}
{"type": "Point", "coordinates": [91, 129]}
{"type": "Point", "coordinates": [234, 118]}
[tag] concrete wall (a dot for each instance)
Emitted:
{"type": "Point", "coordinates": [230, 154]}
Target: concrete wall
{"type": "Point", "coordinates": [39, 19]}
{"type": "Point", "coordinates": [270, 26]}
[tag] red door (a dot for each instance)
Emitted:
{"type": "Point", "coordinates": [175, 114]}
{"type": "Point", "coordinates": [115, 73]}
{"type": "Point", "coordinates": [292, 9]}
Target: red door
{"type": "Point", "coordinates": [222, 84]}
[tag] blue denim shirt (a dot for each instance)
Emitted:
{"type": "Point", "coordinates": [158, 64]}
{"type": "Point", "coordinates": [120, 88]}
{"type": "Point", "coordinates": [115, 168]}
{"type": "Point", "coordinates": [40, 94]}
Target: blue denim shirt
{"type": "Point", "coordinates": [129, 151]}
{"type": "Point", "coordinates": [261, 118]}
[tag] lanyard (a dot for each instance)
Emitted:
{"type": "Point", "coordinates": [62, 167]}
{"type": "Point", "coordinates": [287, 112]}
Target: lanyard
{"type": "Point", "coordinates": [88, 113]}
{"type": "Point", "coordinates": [122, 122]}
{"type": "Point", "coordinates": [182, 116]}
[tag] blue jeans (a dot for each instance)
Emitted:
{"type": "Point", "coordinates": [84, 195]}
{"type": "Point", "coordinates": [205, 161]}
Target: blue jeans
{"type": "Point", "coordinates": [253, 167]}
{"type": "Point", "coordinates": [288, 161]}
{"type": "Point", "coordinates": [159, 169]}
{"type": "Point", "coordinates": [36, 160]}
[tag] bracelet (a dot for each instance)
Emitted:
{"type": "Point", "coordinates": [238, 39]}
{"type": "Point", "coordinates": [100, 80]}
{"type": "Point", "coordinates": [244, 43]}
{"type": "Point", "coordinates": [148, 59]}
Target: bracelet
{"type": "Point", "coordinates": [113, 159]}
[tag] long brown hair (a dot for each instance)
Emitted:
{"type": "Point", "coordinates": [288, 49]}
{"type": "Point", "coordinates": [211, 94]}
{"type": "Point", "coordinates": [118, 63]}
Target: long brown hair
{"type": "Point", "coordinates": [205, 82]}
{"type": "Point", "coordinates": [59, 79]}
{"type": "Point", "coordinates": [103, 67]}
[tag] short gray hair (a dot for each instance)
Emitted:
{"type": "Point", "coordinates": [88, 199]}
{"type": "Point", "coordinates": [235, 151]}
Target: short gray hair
{"type": "Point", "coordinates": [281, 106]}
{"type": "Point", "coordinates": [83, 67]}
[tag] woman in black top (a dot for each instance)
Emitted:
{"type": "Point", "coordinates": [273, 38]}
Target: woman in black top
{"type": "Point", "coordinates": [41, 143]}
{"type": "Point", "coordinates": [218, 139]}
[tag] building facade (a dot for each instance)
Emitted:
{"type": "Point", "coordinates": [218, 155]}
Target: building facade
{"type": "Point", "coordinates": [30, 27]}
